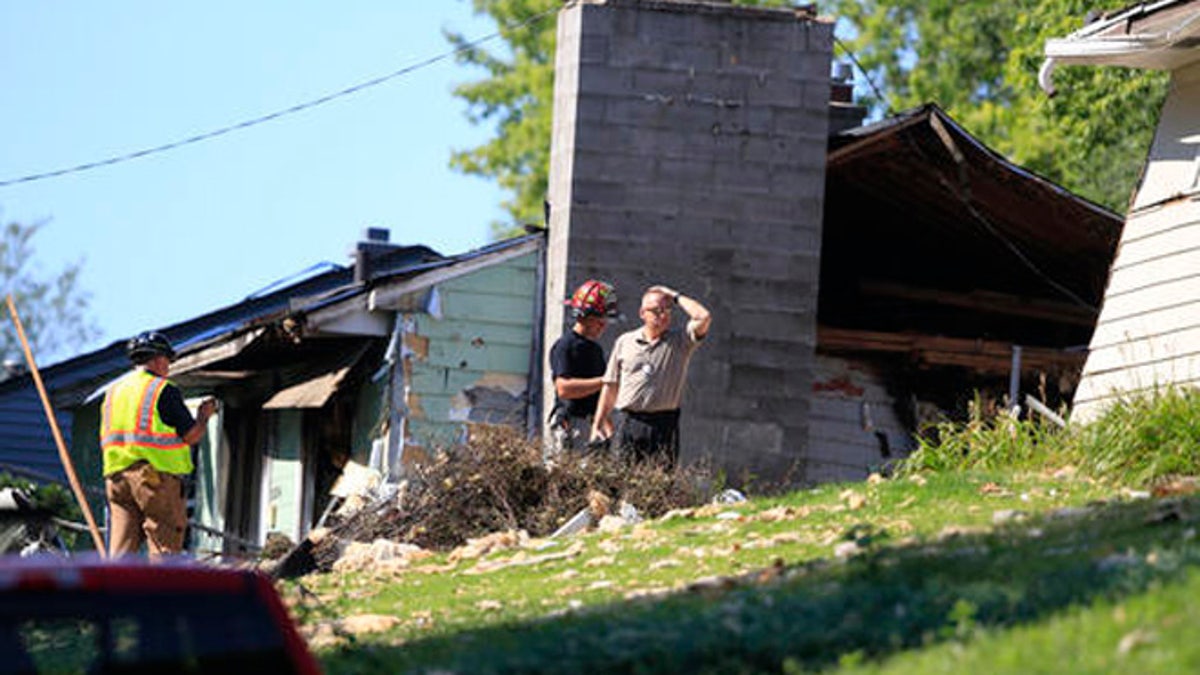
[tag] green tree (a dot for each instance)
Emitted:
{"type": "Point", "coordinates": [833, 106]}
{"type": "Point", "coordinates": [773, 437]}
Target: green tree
{"type": "Point", "coordinates": [517, 96]}
{"type": "Point", "coordinates": [53, 309]}
{"type": "Point", "coordinates": [979, 61]}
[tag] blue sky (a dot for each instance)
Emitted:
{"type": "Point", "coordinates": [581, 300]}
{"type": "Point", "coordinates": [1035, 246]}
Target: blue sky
{"type": "Point", "coordinates": [170, 236]}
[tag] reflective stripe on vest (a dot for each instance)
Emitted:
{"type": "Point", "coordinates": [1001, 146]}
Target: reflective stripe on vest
{"type": "Point", "coordinates": [131, 429]}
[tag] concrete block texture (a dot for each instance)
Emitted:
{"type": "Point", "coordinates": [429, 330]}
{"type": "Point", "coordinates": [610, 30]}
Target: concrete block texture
{"type": "Point", "coordinates": [689, 149]}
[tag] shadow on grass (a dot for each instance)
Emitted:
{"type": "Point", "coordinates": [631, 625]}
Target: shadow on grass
{"type": "Point", "coordinates": [885, 600]}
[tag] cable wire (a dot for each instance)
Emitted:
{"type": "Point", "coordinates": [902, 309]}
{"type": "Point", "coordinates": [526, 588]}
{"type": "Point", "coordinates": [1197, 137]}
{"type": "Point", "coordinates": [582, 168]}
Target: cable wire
{"type": "Point", "coordinates": [299, 107]}
{"type": "Point", "coordinates": [878, 94]}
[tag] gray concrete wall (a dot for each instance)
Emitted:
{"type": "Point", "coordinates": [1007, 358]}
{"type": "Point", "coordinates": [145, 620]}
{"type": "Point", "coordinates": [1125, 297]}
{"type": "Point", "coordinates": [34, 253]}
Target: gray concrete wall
{"type": "Point", "coordinates": [689, 149]}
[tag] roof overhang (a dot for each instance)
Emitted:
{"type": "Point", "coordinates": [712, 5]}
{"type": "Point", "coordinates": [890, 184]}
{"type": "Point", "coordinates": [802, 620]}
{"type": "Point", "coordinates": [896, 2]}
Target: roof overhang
{"type": "Point", "coordinates": [185, 368]}
{"type": "Point", "coordinates": [1150, 35]}
{"type": "Point", "coordinates": [929, 230]}
{"type": "Point", "coordinates": [226, 347]}
{"type": "Point", "coordinates": [368, 313]}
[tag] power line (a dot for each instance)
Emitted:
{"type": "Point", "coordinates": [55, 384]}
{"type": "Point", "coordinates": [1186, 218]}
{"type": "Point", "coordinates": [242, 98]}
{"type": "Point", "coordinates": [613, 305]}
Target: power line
{"type": "Point", "coordinates": [870, 81]}
{"type": "Point", "coordinates": [299, 107]}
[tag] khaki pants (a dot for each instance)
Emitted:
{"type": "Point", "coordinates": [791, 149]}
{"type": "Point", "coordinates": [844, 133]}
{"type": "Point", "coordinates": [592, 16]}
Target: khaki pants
{"type": "Point", "coordinates": [146, 505]}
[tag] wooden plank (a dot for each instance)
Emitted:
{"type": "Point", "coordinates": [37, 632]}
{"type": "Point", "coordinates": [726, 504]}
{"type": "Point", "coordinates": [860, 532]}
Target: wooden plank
{"type": "Point", "coordinates": [983, 355]}
{"type": "Point", "coordinates": [312, 393]}
{"type": "Point", "coordinates": [513, 277]}
{"type": "Point", "coordinates": [1129, 278]}
{"type": "Point", "coordinates": [491, 358]}
{"type": "Point", "coordinates": [984, 301]}
{"type": "Point", "coordinates": [393, 294]}
{"type": "Point", "coordinates": [1092, 403]}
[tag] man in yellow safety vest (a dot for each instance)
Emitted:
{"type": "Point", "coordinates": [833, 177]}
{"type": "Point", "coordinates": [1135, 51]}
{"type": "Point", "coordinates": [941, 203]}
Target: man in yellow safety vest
{"type": "Point", "coordinates": [146, 434]}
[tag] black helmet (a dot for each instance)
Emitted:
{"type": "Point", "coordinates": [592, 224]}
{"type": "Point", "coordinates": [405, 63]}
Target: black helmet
{"type": "Point", "coordinates": [146, 345]}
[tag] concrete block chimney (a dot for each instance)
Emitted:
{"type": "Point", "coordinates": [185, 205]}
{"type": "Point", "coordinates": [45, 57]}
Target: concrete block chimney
{"type": "Point", "coordinates": [689, 149]}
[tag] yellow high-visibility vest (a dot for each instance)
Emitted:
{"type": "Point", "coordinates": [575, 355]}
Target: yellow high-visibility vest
{"type": "Point", "coordinates": [131, 430]}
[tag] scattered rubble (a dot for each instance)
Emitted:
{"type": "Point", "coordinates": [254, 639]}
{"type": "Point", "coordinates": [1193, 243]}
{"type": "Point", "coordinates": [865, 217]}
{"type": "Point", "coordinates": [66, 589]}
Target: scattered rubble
{"type": "Point", "coordinates": [498, 484]}
{"type": "Point", "coordinates": [380, 555]}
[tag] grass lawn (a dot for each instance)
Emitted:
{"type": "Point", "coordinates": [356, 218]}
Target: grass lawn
{"type": "Point", "coordinates": [912, 574]}
{"type": "Point", "coordinates": [992, 552]}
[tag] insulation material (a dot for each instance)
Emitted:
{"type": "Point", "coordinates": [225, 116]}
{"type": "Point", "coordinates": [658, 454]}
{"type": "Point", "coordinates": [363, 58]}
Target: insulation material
{"type": "Point", "coordinates": [496, 398]}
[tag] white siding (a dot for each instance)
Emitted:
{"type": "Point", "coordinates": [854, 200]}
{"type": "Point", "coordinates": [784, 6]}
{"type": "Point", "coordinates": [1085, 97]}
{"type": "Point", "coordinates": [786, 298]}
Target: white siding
{"type": "Point", "coordinates": [1148, 333]}
{"type": "Point", "coordinates": [1172, 168]}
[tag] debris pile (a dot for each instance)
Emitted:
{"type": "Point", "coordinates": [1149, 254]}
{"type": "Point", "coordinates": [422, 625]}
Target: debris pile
{"type": "Point", "coordinates": [497, 485]}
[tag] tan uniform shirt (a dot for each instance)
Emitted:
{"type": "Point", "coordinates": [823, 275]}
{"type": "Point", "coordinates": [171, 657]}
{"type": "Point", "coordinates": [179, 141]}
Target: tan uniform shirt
{"type": "Point", "coordinates": [651, 375]}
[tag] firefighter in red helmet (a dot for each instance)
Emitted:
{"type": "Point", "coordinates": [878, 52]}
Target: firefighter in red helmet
{"type": "Point", "coordinates": [577, 363]}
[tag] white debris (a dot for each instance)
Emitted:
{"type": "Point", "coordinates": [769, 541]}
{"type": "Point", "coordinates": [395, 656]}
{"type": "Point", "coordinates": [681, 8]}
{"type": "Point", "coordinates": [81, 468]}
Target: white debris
{"type": "Point", "coordinates": [729, 496]}
{"type": "Point", "coordinates": [577, 523]}
{"type": "Point", "coordinates": [362, 556]}
{"type": "Point", "coordinates": [846, 549]}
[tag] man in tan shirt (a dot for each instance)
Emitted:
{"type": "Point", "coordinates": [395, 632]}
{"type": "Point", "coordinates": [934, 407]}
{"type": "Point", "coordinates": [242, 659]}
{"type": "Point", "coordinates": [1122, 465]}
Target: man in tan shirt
{"type": "Point", "coordinates": [645, 377]}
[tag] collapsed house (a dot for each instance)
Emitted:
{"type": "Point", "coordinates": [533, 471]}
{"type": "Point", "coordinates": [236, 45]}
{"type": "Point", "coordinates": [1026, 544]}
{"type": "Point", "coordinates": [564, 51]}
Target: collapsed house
{"type": "Point", "coordinates": [378, 363]}
{"type": "Point", "coordinates": [932, 287]}
{"type": "Point", "coordinates": [863, 280]}
{"type": "Point", "coordinates": [945, 270]}
{"type": "Point", "coordinates": [856, 276]}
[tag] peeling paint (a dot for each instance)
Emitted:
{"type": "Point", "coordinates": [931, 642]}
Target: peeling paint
{"type": "Point", "coordinates": [414, 343]}
{"type": "Point", "coordinates": [413, 402]}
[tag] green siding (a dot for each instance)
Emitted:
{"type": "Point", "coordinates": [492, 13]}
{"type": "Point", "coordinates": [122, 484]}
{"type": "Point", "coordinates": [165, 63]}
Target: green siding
{"type": "Point", "coordinates": [477, 308]}
{"type": "Point", "coordinates": [210, 478]}
{"type": "Point", "coordinates": [286, 473]}
{"type": "Point", "coordinates": [477, 365]}
{"type": "Point", "coordinates": [485, 358]}
{"type": "Point", "coordinates": [85, 455]}
{"type": "Point", "coordinates": [497, 332]}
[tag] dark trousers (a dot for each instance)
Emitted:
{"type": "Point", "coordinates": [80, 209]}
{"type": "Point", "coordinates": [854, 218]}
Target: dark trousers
{"type": "Point", "coordinates": [649, 435]}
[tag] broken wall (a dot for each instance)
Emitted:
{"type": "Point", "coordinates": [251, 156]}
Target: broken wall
{"type": "Point", "coordinates": [855, 425]}
{"type": "Point", "coordinates": [689, 149]}
{"type": "Point", "coordinates": [467, 358]}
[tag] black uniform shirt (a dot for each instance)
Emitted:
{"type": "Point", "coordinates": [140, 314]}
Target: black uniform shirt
{"type": "Point", "coordinates": [574, 356]}
{"type": "Point", "coordinates": [173, 412]}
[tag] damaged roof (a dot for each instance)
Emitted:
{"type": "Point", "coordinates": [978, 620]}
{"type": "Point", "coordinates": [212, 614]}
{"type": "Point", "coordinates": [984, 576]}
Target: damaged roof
{"type": "Point", "coordinates": [272, 313]}
{"type": "Point", "coordinates": [928, 230]}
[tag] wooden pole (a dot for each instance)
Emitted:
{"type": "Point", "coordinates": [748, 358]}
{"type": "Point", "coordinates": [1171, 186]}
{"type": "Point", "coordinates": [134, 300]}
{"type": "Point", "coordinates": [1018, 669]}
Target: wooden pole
{"type": "Point", "coordinates": [63, 456]}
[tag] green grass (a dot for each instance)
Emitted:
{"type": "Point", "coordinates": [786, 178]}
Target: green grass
{"type": "Point", "coordinates": [1021, 566]}
{"type": "Point", "coordinates": [1139, 440]}
{"type": "Point", "coordinates": [1144, 632]}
